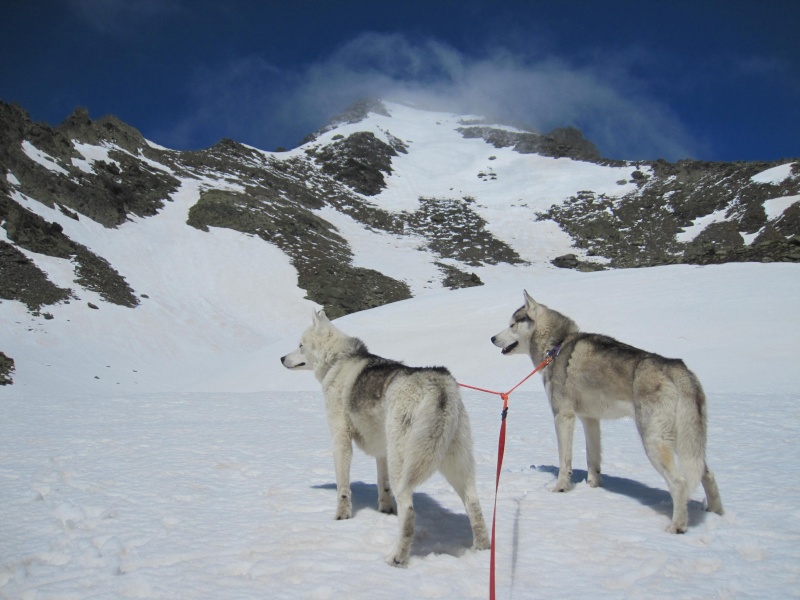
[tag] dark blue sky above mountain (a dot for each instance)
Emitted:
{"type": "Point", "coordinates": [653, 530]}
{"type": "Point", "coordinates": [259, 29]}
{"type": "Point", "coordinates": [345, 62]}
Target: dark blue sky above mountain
{"type": "Point", "coordinates": [710, 80]}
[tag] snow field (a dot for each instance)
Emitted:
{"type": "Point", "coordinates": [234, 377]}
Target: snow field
{"type": "Point", "coordinates": [233, 496]}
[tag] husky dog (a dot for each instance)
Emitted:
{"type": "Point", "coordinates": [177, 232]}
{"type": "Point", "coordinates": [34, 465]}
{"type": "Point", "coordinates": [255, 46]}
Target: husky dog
{"type": "Point", "coordinates": [595, 377]}
{"type": "Point", "coordinates": [410, 419]}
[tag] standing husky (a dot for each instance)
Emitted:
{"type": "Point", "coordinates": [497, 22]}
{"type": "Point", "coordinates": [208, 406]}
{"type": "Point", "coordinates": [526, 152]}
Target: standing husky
{"type": "Point", "coordinates": [596, 377]}
{"type": "Point", "coordinates": [410, 419]}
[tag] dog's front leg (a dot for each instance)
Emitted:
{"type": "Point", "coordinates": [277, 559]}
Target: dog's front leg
{"type": "Point", "coordinates": [342, 457]}
{"type": "Point", "coordinates": [591, 429]}
{"type": "Point", "coordinates": [565, 427]}
{"type": "Point", "coordinates": [385, 504]}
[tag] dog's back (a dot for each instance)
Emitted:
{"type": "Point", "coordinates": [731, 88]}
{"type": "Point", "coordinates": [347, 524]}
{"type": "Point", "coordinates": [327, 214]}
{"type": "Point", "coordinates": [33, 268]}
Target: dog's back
{"type": "Point", "coordinates": [606, 378]}
{"type": "Point", "coordinates": [378, 373]}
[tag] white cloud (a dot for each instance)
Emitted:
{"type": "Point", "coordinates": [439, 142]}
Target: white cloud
{"type": "Point", "coordinates": [606, 102]}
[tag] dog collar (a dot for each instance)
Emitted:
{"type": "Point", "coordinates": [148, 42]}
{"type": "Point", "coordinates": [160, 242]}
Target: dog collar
{"type": "Point", "coordinates": [553, 352]}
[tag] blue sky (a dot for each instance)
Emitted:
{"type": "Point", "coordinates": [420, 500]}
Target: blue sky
{"type": "Point", "coordinates": [643, 80]}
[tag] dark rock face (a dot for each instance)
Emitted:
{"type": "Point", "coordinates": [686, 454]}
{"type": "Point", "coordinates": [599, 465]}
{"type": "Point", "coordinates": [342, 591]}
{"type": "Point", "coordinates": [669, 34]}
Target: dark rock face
{"type": "Point", "coordinates": [565, 142]}
{"type": "Point", "coordinates": [123, 186]}
{"type": "Point", "coordinates": [359, 161]}
{"type": "Point", "coordinates": [764, 250]}
{"type": "Point", "coordinates": [457, 279]}
{"type": "Point", "coordinates": [114, 189]}
{"type": "Point", "coordinates": [571, 261]}
{"type": "Point", "coordinates": [33, 233]}
{"type": "Point", "coordinates": [322, 258]}
{"type": "Point", "coordinates": [22, 280]}
{"type": "Point", "coordinates": [454, 230]}
{"type": "Point", "coordinates": [6, 369]}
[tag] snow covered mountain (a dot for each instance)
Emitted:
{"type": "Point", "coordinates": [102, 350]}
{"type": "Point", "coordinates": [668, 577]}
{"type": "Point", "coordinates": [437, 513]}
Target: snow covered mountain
{"type": "Point", "coordinates": [386, 203]}
{"type": "Point", "coordinates": [152, 446]}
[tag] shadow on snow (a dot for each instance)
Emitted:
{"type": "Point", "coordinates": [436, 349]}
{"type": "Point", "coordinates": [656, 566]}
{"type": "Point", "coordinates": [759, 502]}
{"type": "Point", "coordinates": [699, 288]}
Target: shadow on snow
{"type": "Point", "coordinates": [437, 529]}
{"type": "Point", "coordinates": [656, 498]}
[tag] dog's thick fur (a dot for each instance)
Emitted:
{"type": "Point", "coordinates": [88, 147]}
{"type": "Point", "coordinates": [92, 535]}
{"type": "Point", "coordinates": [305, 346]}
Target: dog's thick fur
{"type": "Point", "coordinates": [410, 419]}
{"type": "Point", "coordinates": [596, 377]}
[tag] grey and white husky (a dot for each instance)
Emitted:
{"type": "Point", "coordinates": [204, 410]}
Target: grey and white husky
{"type": "Point", "coordinates": [412, 420]}
{"type": "Point", "coordinates": [595, 377]}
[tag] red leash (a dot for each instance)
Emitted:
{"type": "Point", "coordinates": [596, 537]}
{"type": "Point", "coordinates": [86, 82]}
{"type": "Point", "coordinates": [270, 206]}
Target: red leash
{"type": "Point", "coordinates": [501, 447]}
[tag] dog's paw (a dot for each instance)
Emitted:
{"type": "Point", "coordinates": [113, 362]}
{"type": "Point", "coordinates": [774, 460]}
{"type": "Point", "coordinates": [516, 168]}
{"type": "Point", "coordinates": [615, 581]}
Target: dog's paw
{"type": "Point", "coordinates": [594, 480]}
{"type": "Point", "coordinates": [344, 511]}
{"type": "Point", "coordinates": [388, 509]}
{"type": "Point", "coordinates": [673, 528]}
{"type": "Point", "coordinates": [561, 487]}
{"type": "Point", "coordinates": [397, 561]}
{"type": "Point", "coordinates": [481, 544]}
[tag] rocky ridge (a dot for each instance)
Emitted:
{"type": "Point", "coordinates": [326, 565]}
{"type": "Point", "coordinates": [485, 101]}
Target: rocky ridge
{"type": "Point", "coordinates": [643, 228]}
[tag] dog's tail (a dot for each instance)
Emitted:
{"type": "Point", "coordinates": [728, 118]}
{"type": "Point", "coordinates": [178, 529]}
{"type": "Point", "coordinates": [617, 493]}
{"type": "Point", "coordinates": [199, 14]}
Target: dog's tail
{"type": "Point", "coordinates": [434, 427]}
{"type": "Point", "coordinates": [690, 426]}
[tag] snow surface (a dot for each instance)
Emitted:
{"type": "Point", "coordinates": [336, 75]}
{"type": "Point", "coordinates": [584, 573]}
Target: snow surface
{"type": "Point", "coordinates": [163, 452]}
{"type": "Point", "coordinates": [700, 223]}
{"type": "Point", "coordinates": [230, 494]}
{"type": "Point", "coordinates": [42, 158]}
{"type": "Point", "coordinates": [91, 154]}
{"type": "Point", "coordinates": [774, 174]}
{"type": "Point", "coordinates": [776, 206]}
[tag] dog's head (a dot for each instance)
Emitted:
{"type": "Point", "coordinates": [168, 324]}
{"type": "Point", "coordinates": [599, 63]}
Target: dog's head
{"type": "Point", "coordinates": [307, 355]}
{"type": "Point", "coordinates": [516, 338]}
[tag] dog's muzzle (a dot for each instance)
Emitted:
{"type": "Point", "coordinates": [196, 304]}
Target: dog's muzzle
{"type": "Point", "coordinates": [509, 348]}
{"type": "Point", "coordinates": [506, 349]}
{"type": "Point", "coordinates": [283, 362]}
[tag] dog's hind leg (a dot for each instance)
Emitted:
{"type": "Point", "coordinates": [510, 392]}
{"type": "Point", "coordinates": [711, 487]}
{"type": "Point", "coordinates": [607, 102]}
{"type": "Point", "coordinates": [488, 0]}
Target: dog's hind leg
{"type": "Point", "coordinates": [591, 429]}
{"type": "Point", "coordinates": [661, 453]}
{"type": "Point", "coordinates": [406, 518]}
{"type": "Point", "coordinates": [385, 504]}
{"type": "Point", "coordinates": [678, 489]}
{"type": "Point", "coordinates": [459, 470]}
{"type": "Point", "coordinates": [713, 500]}
{"type": "Point", "coordinates": [656, 401]}
{"type": "Point", "coordinates": [406, 472]}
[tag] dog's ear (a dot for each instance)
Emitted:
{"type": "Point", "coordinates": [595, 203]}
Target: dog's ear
{"type": "Point", "coordinates": [320, 318]}
{"type": "Point", "coordinates": [530, 304]}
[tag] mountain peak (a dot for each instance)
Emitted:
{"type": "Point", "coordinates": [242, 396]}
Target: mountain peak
{"type": "Point", "coordinates": [355, 113]}
{"type": "Point", "coordinates": [109, 129]}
